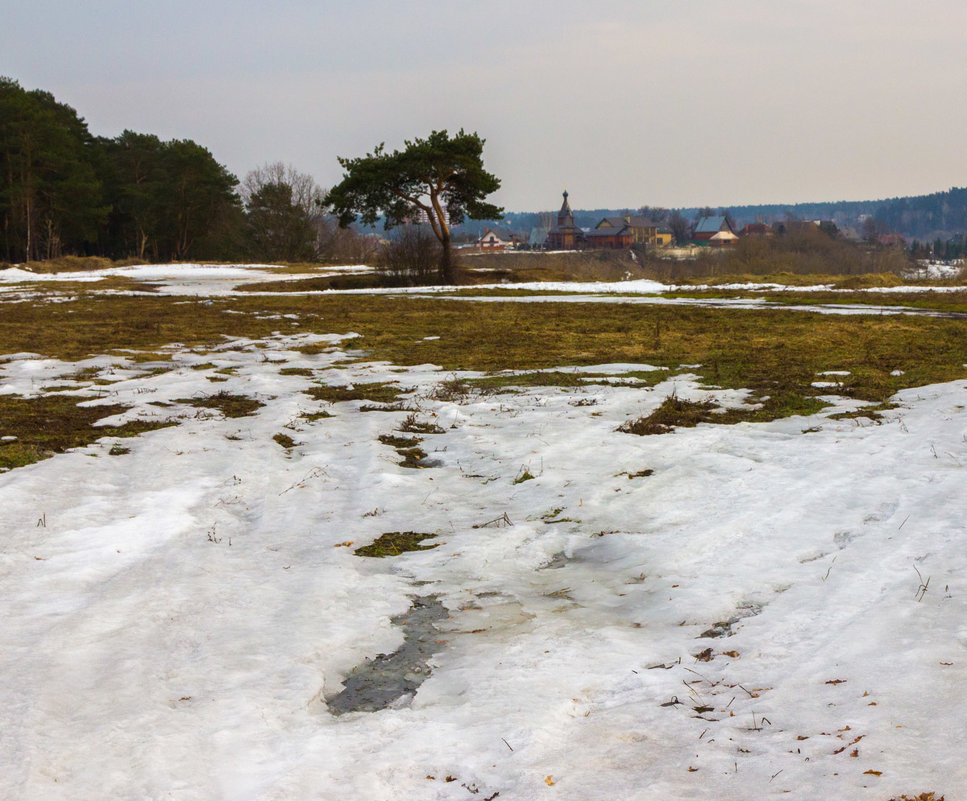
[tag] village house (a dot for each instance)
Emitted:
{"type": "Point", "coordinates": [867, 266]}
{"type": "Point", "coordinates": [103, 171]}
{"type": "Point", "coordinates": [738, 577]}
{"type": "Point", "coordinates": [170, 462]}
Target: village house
{"type": "Point", "coordinates": [756, 229]}
{"type": "Point", "coordinates": [715, 231]}
{"type": "Point", "coordinates": [610, 236]}
{"type": "Point", "coordinates": [497, 240]}
{"type": "Point", "coordinates": [642, 230]}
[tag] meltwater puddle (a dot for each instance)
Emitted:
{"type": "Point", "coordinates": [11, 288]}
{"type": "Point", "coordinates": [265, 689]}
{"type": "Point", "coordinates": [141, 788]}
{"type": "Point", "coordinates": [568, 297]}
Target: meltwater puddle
{"type": "Point", "coordinates": [381, 682]}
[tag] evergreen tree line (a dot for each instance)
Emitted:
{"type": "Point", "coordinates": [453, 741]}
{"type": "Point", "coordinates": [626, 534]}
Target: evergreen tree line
{"type": "Point", "coordinates": [941, 216]}
{"type": "Point", "coordinates": [134, 196]}
{"type": "Point", "coordinates": [952, 249]}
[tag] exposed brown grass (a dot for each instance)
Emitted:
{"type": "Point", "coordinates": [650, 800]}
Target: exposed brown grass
{"type": "Point", "coordinates": [376, 392]}
{"type": "Point", "coordinates": [763, 350]}
{"type": "Point", "coordinates": [228, 404]}
{"type": "Point", "coordinates": [673, 412]}
{"type": "Point", "coordinates": [588, 265]}
{"type": "Point", "coordinates": [69, 264]}
{"type": "Point", "coordinates": [53, 424]}
{"type": "Point", "coordinates": [948, 302]}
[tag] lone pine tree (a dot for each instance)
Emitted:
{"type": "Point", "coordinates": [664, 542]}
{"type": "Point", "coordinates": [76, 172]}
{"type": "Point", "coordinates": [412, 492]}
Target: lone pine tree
{"type": "Point", "coordinates": [439, 180]}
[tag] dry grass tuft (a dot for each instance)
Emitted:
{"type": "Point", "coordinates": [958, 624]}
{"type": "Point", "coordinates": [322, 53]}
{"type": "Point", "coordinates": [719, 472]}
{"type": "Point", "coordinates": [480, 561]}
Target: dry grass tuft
{"type": "Point", "coordinates": [672, 412]}
{"type": "Point", "coordinates": [228, 404]}
{"type": "Point", "coordinates": [413, 425]}
{"type": "Point", "coordinates": [376, 392]}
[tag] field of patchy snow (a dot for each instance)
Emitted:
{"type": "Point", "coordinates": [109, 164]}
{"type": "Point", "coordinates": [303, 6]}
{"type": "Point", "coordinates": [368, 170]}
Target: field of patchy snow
{"type": "Point", "coordinates": [206, 280]}
{"type": "Point", "coordinates": [729, 612]}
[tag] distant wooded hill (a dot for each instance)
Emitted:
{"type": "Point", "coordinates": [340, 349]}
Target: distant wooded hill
{"type": "Point", "coordinates": [941, 215]}
{"type": "Point", "coordinates": [926, 217]}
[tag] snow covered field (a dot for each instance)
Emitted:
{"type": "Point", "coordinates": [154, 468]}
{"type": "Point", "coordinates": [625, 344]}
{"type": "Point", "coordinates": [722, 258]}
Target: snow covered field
{"type": "Point", "coordinates": [205, 280]}
{"type": "Point", "coordinates": [729, 612]}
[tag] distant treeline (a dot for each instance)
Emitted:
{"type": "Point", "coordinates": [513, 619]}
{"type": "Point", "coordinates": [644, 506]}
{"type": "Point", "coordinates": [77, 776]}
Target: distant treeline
{"type": "Point", "coordinates": [926, 217]}
{"type": "Point", "coordinates": [64, 191]}
{"type": "Point", "coordinates": [939, 216]}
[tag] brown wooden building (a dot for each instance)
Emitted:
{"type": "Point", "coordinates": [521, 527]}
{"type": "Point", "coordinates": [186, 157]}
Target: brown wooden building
{"type": "Point", "coordinates": [565, 235]}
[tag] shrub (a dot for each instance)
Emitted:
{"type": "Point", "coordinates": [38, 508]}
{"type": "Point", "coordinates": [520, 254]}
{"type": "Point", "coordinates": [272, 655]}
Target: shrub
{"type": "Point", "coordinates": [413, 257]}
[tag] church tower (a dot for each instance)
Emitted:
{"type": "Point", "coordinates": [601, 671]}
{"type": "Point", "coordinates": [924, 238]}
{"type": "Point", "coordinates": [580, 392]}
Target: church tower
{"type": "Point", "coordinates": [565, 235]}
{"type": "Point", "coordinates": [565, 217]}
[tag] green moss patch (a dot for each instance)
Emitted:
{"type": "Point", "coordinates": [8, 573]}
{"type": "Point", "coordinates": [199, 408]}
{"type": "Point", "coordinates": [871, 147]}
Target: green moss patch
{"type": "Point", "coordinates": [284, 440]}
{"type": "Point", "coordinates": [393, 543]}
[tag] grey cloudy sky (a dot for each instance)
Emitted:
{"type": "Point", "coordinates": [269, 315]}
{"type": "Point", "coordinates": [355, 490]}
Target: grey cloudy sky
{"type": "Point", "coordinates": [659, 102]}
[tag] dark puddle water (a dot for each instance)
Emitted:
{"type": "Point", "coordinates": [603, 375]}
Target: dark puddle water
{"type": "Point", "coordinates": [380, 682]}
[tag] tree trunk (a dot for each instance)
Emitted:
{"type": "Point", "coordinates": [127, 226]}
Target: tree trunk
{"type": "Point", "coordinates": [441, 227]}
{"type": "Point", "coordinates": [30, 223]}
{"type": "Point", "coordinates": [446, 261]}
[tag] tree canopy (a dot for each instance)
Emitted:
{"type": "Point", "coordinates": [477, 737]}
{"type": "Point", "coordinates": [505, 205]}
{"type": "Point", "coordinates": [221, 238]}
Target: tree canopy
{"type": "Point", "coordinates": [439, 180]}
{"type": "Point", "coordinates": [65, 191]}
{"type": "Point", "coordinates": [49, 192]}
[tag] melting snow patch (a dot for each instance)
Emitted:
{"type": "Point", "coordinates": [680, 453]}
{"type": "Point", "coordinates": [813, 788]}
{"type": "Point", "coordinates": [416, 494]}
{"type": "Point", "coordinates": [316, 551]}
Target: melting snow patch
{"type": "Point", "coordinates": [392, 679]}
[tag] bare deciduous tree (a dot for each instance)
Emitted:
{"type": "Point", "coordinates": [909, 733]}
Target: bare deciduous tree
{"type": "Point", "coordinates": [284, 208]}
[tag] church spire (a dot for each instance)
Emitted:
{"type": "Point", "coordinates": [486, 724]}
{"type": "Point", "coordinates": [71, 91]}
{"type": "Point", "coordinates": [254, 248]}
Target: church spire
{"type": "Point", "coordinates": [565, 217]}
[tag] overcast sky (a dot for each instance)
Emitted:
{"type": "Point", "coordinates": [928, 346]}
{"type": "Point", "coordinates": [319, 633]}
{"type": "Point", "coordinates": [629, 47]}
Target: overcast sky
{"type": "Point", "coordinates": [657, 102]}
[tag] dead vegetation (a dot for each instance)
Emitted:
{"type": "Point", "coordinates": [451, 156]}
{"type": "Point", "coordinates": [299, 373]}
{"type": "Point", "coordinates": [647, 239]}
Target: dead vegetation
{"type": "Point", "coordinates": [773, 353]}
{"type": "Point", "coordinates": [408, 448]}
{"type": "Point", "coordinates": [376, 392]}
{"type": "Point", "coordinates": [52, 424]}
{"type": "Point", "coordinates": [525, 266]}
{"type": "Point", "coordinates": [225, 402]}
{"type": "Point", "coordinates": [413, 425]}
{"type": "Point", "coordinates": [921, 797]}
{"type": "Point", "coordinates": [284, 440]}
{"type": "Point", "coordinates": [76, 264]}
{"type": "Point", "coordinates": [674, 412]}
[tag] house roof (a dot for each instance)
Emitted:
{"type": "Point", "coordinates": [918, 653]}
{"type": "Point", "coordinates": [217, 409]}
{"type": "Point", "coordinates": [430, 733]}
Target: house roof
{"type": "Point", "coordinates": [609, 231]}
{"type": "Point", "coordinates": [709, 225]}
{"type": "Point", "coordinates": [637, 221]}
{"type": "Point", "coordinates": [568, 228]}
